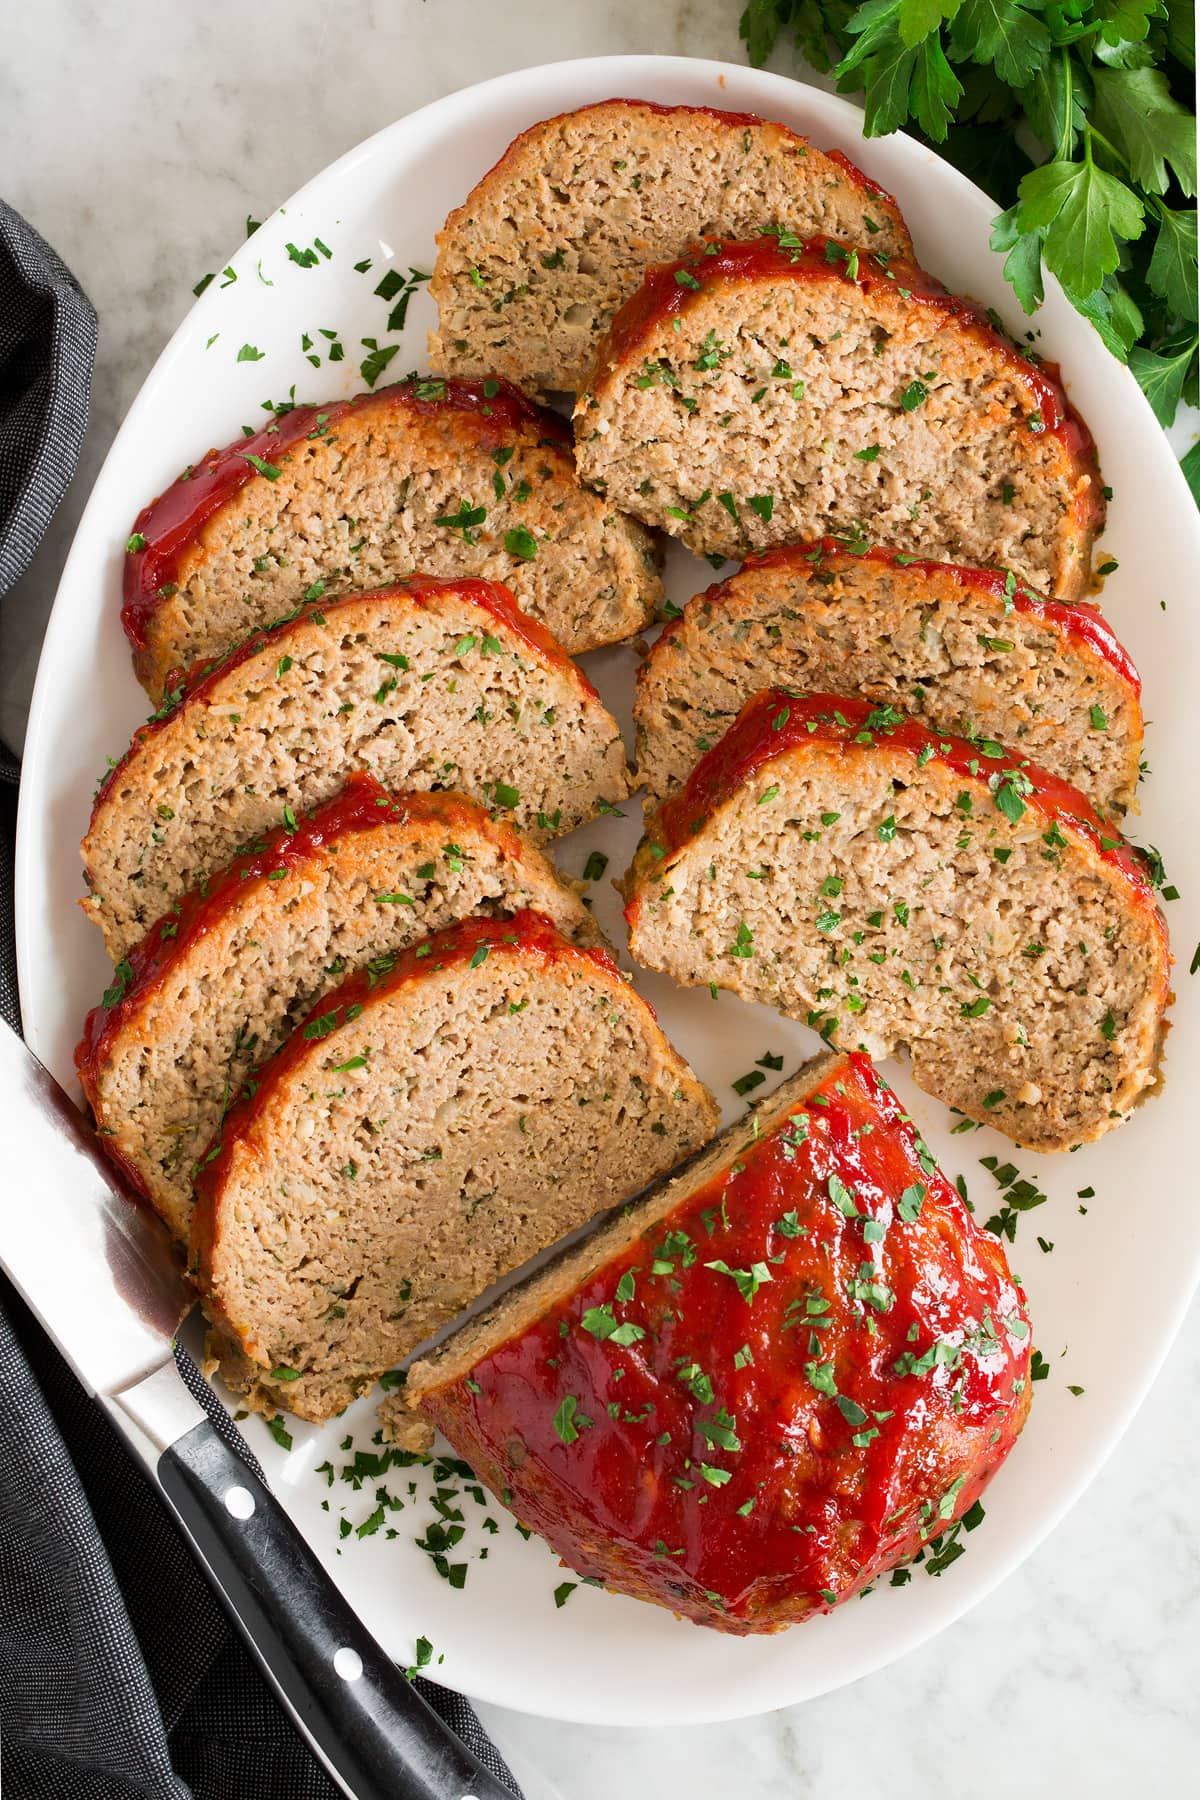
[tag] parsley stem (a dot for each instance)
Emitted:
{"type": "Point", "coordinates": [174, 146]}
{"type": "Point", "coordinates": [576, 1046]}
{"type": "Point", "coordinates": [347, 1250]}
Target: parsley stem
{"type": "Point", "coordinates": [1090, 132]}
{"type": "Point", "coordinates": [1062, 153]}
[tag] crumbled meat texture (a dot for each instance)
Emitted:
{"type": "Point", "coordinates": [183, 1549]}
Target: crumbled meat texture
{"type": "Point", "coordinates": [238, 988]}
{"type": "Point", "coordinates": [497, 1109]}
{"type": "Point", "coordinates": [532, 266]}
{"type": "Point", "coordinates": [778, 412]}
{"type": "Point", "coordinates": [946, 652]}
{"type": "Point", "coordinates": [477, 710]}
{"type": "Point", "coordinates": [523, 1305]}
{"type": "Point", "coordinates": [359, 508]}
{"type": "Point", "coordinates": [1028, 992]}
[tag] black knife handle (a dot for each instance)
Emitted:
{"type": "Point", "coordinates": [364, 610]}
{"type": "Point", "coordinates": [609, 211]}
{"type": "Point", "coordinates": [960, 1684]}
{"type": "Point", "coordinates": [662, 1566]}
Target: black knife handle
{"type": "Point", "coordinates": [375, 1734]}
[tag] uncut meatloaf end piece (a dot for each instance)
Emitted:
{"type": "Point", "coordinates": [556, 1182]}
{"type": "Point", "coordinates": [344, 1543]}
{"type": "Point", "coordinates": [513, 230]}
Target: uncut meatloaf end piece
{"type": "Point", "coordinates": [972, 651]}
{"type": "Point", "coordinates": [766, 1383]}
{"type": "Point", "coordinates": [223, 978]}
{"type": "Point", "coordinates": [531, 267]}
{"type": "Point", "coordinates": [420, 1135]}
{"type": "Point", "coordinates": [895, 888]}
{"type": "Point", "coordinates": [751, 394]}
{"type": "Point", "coordinates": [444, 477]}
{"type": "Point", "coordinates": [425, 685]}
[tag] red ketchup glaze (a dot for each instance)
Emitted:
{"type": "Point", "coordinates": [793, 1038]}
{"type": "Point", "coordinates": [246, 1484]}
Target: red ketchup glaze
{"type": "Point", "coordinates": [854, 727]}
{"type": "Point", "coordinates": [1078, 621]}
{"type": "Point", "coordinates": [171, 524]}
{"type": "Point", "coordinates": [743, 119]}
{"type": "Point", "coordinates": [876, 191]}
{"type": "Point", "coordinates": [198, 682]}
{"type": "Point", "coordinates": [793, 1516]}
{"type": "Point", "coordinates": [455, 946]}
{"type": "Point", "coordinates": [661, 297]}
{"type": "Point", "coordinates": [362, 805]}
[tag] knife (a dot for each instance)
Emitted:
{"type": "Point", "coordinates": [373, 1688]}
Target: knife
{"type": "Point", "coordinates": [100, 1273]}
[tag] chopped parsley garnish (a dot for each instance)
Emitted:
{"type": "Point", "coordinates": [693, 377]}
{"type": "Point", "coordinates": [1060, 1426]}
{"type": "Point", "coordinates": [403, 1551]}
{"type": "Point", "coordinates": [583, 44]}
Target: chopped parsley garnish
{"type": "Point", "coordinates": [376, 360]}
{"type": "Point", "coordinates": [422, 1649]}
{"type": "Point", "coordinates": [748, 1281]}
{"type": "Point", "coordinates": [270, 470]}
{"type": "Point", "coordinates": [321, 1026]}
{"type": "Point", "coordinates": [911, 1200]}
{"type": "Point", "coordinates": [463, 521]}
{"type": "Point", "coordinates": [697, 1383]}
{"type": "Point", "coordinates": [714, 1476]}
{"type": "Point", "coordinates": [569, 1421]}
{"type": "Point", "coordinates": [746, 1083]}
{"type": "Point", "coordinates": [601, 1323]}
{"type": "Point", "coordinates": [123, 974]}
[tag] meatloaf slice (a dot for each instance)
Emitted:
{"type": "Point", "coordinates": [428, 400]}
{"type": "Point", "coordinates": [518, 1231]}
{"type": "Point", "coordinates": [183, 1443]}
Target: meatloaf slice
{"type": "Point", "coordinates": [533, 264]}
{"type": "Point", "coordinates": [428, 684]}
{"type": "Point", "coordinates": [972, 651]}
{"type": "Point", "coordinates": [894, 886]}
{"type": "Point", "coordinates": [426, 1130]}
{"type": "Point", "coordinates": [448, 477]}
{"type": "Point", "coordinates": [758, 394]}
{"type": "Point", "coordinates": [771, 1380]}
{"type": "Point", "coordinates": [218, 983]}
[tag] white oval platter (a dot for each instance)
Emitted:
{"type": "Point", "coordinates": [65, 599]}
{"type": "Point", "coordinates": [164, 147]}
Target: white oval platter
{"type": "Point", "coordinates": [1109, 1298]}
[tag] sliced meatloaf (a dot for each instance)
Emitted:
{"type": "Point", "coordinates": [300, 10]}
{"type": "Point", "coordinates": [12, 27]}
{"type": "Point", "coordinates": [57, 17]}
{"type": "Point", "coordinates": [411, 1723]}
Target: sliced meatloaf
{"type": "Point", "coordinates": [894, 886]}
{"type": "Point", "coordinates": [428, 684]}
{"type": "Point", "coordinates": [533, 264]}
{"type": "Point", "coordinates": [972, 651]}
{"type": "Point", "coordinates": [424, 1131]}
{"type": "Point", "coordinates": [773, 1379]}
{"type": "Point", "coordinates": [445, 477]}
{"type": "Point", "coordinates": [758, 394]}
{"type": "Point", "coordinates": [218, 983]}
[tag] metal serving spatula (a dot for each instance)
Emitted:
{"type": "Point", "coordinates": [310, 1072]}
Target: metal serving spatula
{"type": "Point", "coordinates": [103, 1279]}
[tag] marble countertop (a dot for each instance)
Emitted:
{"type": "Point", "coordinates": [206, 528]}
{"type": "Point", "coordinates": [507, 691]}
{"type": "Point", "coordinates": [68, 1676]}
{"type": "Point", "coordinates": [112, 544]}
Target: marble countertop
{"type": "Point", "coordinates": [137, 139]}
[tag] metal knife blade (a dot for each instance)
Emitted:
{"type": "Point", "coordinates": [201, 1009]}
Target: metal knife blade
{"type": "Point", "coordinates": [106, 1283]}
{"type": "Point", "coordinates": [89, 1258]}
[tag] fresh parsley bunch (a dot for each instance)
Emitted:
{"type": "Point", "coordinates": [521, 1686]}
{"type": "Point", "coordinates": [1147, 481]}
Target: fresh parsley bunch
{"type": "Point", "coordinates": [1077, 116]}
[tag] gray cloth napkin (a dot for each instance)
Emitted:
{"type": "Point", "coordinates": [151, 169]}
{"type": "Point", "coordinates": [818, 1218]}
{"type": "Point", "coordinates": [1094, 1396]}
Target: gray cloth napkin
{"type": "Point", "coordinates": [120, 1676]}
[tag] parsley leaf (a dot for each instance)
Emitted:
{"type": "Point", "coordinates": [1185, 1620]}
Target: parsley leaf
{"type": "Point", "coordinates": [1023, 264]}
{"type": "Point", "coordinates": [1172, 269]}
{"type": "Point", "coordinates": [1135, 108]}
{"type": "Point", "coordinates": [1082, 210]}
{"type": "Point", "coordinates": [1161, 375]}
{"type": "Point", "coordinates": [1002, 32]}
